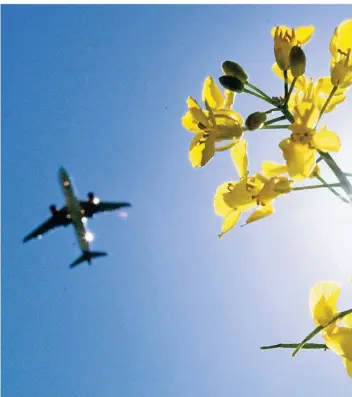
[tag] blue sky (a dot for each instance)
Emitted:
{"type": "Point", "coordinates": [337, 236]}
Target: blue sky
{"type": "Point", "coordinates": [172, 311]}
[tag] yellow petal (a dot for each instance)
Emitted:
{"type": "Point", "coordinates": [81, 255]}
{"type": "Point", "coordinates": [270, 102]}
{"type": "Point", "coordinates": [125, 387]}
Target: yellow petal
{"type": "Point", "coordinates": [326, 141]}
{"type": "Point", "coordinates": [342, 38]}
{"type": "Point", "coordinates": [347, 320]}
{"type": "Point", "coordinates": [212, 94]}
{"type": "Point", "coordinates": [230, 221]}
{"type": "Point", "coordinates": [306, 114]}
{"type": "Point", "coordinates": [323, 301]}
{"type": "Point", "coordinates": [303, 34]}
{"type": "Point", "coordinates": [188, 122]}
{"type": "Point", "coordinates": [324, 86]}
{"type": "Point", "coordinates": [229, 99]}
{"type": "Point", "coordinates": [335, 100]}
{"type": "Point", "coordinates": [300, 159]}
{"type": "Point", "coordinates": [222, 205]}
{"type": "Point", "coordinates": [261, 213]}
{"type": "Point", "coordinates": [270, 168]}
{"type": "Point", "coordinates": [240, 158]}
{"type": "Point", "coordinates": [232, 195]}
{"type": "Point", "coordinates": [202, 149]}
{"type": "Point", "coordinates": [197, 112]}
{"type": "Point", "coordinates": [348, 366]}
{"type": "Point", "coordinates": [339, 339]}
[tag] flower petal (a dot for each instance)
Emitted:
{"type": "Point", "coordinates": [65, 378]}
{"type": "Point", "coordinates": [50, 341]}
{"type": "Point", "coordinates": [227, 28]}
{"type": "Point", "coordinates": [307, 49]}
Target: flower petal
{"type": "Point", "coordinates": [197, 112]}
{"type": "Point", "coordinates": [342, 38]}
{"type": "Point", "coordinates": [189, 123]}
{"type": "Point", "coordinates": [260, 213]}
{"type": "Point", "coordinates": [348, 365]}
{"type": "Point", "coordinates": [230, 221]}
{"type": "Point", "coordinates": [240, 158]}
{"type": "Point", "coordinates": [326, 141]}
{"type": "Point", "coordinates": [270, 169]}
{"type": "Point", "coordinates": [303, 34]}
{"type": "Point", "coordinates": [202, 149]}
{"type": "Point", "coordinates": [212, 94]}
{"type": "Point", "coordinates": [306, 114]}
{"type": "Point", "coordinates": [300, 159]}
{"type": "Point", "coordinates": [339, 339]}
{"type": "Point", "coordinates": [229, 99]}
{"type": "Point", "coordinates": [347, 320]}
{"type": "Point", "coordinates": [221, 205]}
{"type": "Point", "coordinates": [323, 301]}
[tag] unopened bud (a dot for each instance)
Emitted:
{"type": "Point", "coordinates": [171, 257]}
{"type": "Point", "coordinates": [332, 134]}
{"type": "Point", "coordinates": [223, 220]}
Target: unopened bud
{"type": "Point", "coordinates": [297, 61]}
{"type": "Point", "coordinates": [255, 120]}
{"type": "Point", "coordinates": [232, 83]}
{"type": "Point", "coordinates": [234, 69]}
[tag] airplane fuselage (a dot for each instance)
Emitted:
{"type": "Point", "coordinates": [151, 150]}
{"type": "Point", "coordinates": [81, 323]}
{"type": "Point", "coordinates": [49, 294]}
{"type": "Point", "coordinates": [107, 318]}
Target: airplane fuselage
{"type": "Point", "coordinates": [74, 209]}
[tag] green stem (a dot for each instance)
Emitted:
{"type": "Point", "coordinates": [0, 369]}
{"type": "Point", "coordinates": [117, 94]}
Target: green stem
{"type": "Point", "coordinates": [295, 345]}
{"type": "Point", "coordinates": [345, 183]}
{"type": "Point", "coordinates": [332, 93]}
{"type": "Point", "coordinates": [317, 186]}
{"type": "Point", "coordinates": [290, 91]}
{"type": "Point", "coordinates": [258, 90]}
{"type": "Point", "coordinates": [332, 190]}
{"type": "Point", "coordinates": [275, 127]}
{"type": "Point", "coordinates": [275, 120]}
{"type": "Point", "coordinates": [258, 96]}
{"type": "Point", "coordinates": [347, 174]}
{"type": "Point", "coordinates": [272, 110]}
{"type": "Point", "coordinates": [286, 85]}
{"type": "Point", "coordinates": [319, 329]}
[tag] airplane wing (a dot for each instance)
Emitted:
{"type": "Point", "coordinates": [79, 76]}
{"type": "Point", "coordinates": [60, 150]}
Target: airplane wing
{"type": "Point", "coordinates": [51, 223]}
{"type": "Point", "coordinates": [102, 206]}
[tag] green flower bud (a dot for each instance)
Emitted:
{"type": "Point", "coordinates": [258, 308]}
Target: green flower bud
{"type": "Point", "coordinates": [231, 83]}
{"type": "Point", "coordinates": [297, 61]}
{"type": "Point", "coordinates": [234, 69]}
{"type": "Point", "coordinates": [255, 120]}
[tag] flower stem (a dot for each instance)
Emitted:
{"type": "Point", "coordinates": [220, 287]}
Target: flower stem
{"type": "Point", "coordinates": [332, 93]}
{"type": "Point", "coordinates": [275, 127]}
{"type": "Point", "coordinates": [319, 329]}
{"type": "Point", "coordinates": [317, 186]}
{"type": "Point", "coordinates": [290, 91]}
{"type": "Point", "coordinates": [345, 183]}
{"type": "Point", "coordinates": [286, 85]}
{"type": "Point", "coordinates": [266, 99]}
{"type": "Point", "coordinates": [258, 90]}
{"type": "Point", "coordinates": [295, 345]}
{"type": "Point", "coordinates": [332, 190]}
{"type": "Point", "coordinates": [275, 120]}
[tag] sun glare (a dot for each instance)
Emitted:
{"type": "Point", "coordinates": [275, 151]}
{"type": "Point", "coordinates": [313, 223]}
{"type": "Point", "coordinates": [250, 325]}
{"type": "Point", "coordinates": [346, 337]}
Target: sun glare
{"type": "Point", "coordinates": [96, 200]}
{"type": "Point", "coordinates": [89, 237]}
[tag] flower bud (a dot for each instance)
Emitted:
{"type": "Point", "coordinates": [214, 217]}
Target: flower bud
{"type": "Point", "coordinates": [297, 61]}
{"type": "Point", "coordinates": [234, 69]}
{"type": "Point", "coordinates": [232, 83]}
{"type": "Point", "coordinates": [255, 120]}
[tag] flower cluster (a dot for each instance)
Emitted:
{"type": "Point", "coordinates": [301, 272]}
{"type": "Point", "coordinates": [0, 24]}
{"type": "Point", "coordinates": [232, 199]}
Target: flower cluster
{"type": "Point", "coordinates": [301, 107]}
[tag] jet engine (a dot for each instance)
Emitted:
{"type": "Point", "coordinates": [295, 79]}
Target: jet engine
{"type": "Point", "coordinates": [53, 209]}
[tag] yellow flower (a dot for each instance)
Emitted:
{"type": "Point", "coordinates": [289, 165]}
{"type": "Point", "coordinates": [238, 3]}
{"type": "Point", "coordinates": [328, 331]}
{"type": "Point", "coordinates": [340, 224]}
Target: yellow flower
{"type": "Point", "coordinates": [307, 90]}
{"type": "Point", "coordinates": [234, 197]}
{"type": "Point", "coordinates": [212, 125]}
{"type": "Point", "coordinates": [285, 38]}
{"type": "Point", "coordinates": [323, 307]}
{"type": "Point", "coordinates": [300, 149]}
{"type": "Point", "coordinates": [341, 57]}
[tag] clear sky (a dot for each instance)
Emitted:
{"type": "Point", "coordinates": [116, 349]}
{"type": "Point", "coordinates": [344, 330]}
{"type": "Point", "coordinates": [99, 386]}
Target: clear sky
{"type": "Point", "coordinates": [172, 311]}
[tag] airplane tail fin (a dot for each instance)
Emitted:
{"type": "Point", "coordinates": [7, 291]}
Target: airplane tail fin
{"type": "Point", "coordinates": [87, 256]}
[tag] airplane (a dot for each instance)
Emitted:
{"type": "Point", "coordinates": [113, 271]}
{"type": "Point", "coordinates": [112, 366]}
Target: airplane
{"type": "Point", "coordinates": [75, 211]}
{"type": "Point", "coordinates": [62, 217]}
